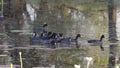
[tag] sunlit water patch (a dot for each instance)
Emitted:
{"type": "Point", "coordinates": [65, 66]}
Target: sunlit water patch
{"type": "Point", "coordinates": [29, 17]}
{"type": "Point", "coordinates": [31, 11]}
{"type": "Point", "coordinates": [26, 25]}
{"type": "Point", "coordinates": [118, 25]}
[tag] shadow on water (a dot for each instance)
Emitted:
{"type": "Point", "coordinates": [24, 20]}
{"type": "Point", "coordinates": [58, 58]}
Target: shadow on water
{"type": "Point", "coordinates": [113, 48]}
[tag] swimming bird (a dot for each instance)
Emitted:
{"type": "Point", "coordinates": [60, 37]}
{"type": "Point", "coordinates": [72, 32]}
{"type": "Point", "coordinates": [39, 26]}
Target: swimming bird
{"type": "Point", "coordinates": [97, 42]}
{"type": "Point", "coordinates": [40, 27]}
{"type": "Point", "coordinates": [34, 40]}
{"type": "Point", "coordinates": [34, 34]}
{"type": "Point", "coordinates": [64, 41]}
{"type": "Point", "coordinates": [75, 40]}
{"type": "Point", "coordinates": [40, 40]}
{"type": "Point", "coordinates": [44, 35]}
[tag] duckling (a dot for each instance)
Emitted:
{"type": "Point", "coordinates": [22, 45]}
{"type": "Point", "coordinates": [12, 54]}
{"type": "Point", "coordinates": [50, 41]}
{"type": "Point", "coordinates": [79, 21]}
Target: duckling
{"type": "Point", "coordinates": [34, 34]}
{"type": "Point", "coordinates": [53, 35]}
{"type": "Point", "coordinates": [44, 35]}
{"type": "Point", "coordinates": [97, 42]}
{"type": "Point", "coordinates": [59, 36]}
{"type": "Point", "coordinates": [33, 38]}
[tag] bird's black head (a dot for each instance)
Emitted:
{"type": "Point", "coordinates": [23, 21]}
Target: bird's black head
{"type": "Point", "coordinates": [103, 36]}
{"type": "Point", "coordinates": [60, 34]}
{"type": "Point", "coordinates": [45, 24]}
{"type": "Point", "coordinates": [49, 33]}
{"type": "Point", "coordinates": [78, 35]}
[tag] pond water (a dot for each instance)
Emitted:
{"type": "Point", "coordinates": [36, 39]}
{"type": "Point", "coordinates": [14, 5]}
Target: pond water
{"type": "Point", "coordinates": [91, 25]}
{"type": "Point", "coordinates": [78, 23]}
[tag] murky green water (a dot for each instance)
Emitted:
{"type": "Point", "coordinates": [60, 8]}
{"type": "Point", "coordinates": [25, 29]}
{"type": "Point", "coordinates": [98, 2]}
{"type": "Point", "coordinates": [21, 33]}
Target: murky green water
{"type": "Point", "coordinates": [90, 24]}
{"type": "Point", "coordinates": [75, 17]}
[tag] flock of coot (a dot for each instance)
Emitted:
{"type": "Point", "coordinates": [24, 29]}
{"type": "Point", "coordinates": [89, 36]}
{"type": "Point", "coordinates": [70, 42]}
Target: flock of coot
{"type": "Point", "coordinates": [53, 39]}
